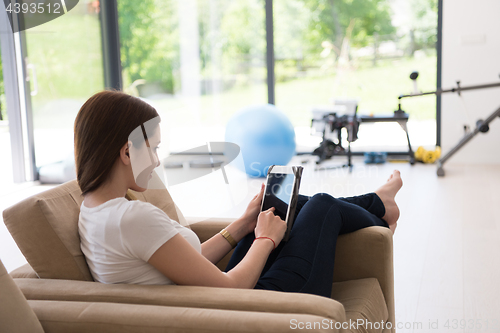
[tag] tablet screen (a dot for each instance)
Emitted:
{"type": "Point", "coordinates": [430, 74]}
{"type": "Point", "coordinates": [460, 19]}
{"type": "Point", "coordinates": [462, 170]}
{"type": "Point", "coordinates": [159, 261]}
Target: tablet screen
{"type": "Point", "coordinates": [278, 193]}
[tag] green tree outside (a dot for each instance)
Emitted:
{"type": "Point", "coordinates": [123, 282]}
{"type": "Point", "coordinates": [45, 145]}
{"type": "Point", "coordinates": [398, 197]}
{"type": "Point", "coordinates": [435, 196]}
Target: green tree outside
{"type": "Point", "coordinates": [150, 38]}
{"type": "Point", "coordinates": [149, 41]}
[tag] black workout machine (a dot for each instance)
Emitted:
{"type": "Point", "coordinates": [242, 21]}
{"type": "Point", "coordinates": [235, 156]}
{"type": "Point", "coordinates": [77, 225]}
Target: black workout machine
{"type": "Point", "coordinates": [331, 122]}
{"type": "Point", "coordinates": [481, 125]}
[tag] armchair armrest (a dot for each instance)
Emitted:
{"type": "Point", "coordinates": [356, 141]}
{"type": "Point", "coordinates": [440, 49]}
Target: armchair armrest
{"type": "Point", "coordinates": [24, 271]}
{"type": "Point", "coordinates": [259, 301]}
{"type": "Point", "coordinates": [367, 253]}
{"type": "Point", "coordinates": [362, 254]}
{"type": "Point", "coordinates": [207, 228]}
{"type": "Point", "coordinates": [58, 317]}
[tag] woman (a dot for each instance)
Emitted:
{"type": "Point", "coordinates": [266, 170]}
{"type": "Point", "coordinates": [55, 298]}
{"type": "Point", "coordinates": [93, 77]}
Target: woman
{"type": "Point", "coordinates": [134, 242]}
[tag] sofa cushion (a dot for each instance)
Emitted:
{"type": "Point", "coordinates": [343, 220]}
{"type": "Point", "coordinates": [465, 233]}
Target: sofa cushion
{"type": "Point", "coordinates": [45, 228]}
{"type": "Point", "coordinates": [83, 317]}
{"type": "Point", "coordinates": [363, 300]}
{"type": "Point", "coordinates": [15, 313]}
{"type": "Point", "coordinates": [183, 296]}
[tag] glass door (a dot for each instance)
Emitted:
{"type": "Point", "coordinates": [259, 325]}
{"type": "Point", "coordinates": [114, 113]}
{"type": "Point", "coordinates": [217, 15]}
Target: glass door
{"type": "Point", "coordinates": [64, 67]}
{"type": "Point", "coordinates": [5, 167]}
{"type": "Point", "coordinates": [196, 61]}
{"type": "Point", "coordinates": [329, 51]}
{"type": "Point", "coordinates": [50, 69]}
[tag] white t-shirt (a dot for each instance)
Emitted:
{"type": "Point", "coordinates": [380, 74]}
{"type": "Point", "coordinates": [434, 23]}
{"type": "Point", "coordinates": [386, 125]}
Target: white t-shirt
{"type": "Point", "coordinates": [119, 236]}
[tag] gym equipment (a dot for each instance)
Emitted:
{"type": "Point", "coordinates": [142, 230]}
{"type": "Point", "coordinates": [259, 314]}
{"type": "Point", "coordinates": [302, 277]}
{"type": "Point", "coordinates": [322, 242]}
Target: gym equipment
{"type": "Point", "coordinates": [427, 156]}
{"type": "Point", "coordinates": [375, 157]}
{"type": "Point", "coordinates": [265, 136]}
{"type": "Point", "coordinates": [399, 117]}
{"type": "Point", "coordinates": [329, 122]}
{"type": "Point", "coordinates": [481, 125]}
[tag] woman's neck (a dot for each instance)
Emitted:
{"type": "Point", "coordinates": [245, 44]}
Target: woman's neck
{"type": "Point", "coordinates": [107, 191]}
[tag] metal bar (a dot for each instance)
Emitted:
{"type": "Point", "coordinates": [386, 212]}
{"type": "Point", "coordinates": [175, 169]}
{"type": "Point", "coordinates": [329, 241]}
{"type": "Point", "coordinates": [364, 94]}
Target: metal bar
{"type": "Point", "coordinates": [361, 153]}
{"type": "Point", "coordinates": [353, 153]}
{"type": "Point", "coordinates": [11, 84]}
{"type": "Point", "coordinates": [111, 45]}
{"type": "Point", "coordinates": [29, 137]}
{"type": "Point", "coordinates": [17, 87]}
{"type": "Point", "coordinates": [439, 49]}
{"type": "Point", "coordinates": [492, 116]}
{"type": "Point", "coordinates": [468, 137]}
{"type": "Point", "coordinates": [410, 150]}
{"type": "Point", "coordinates": [270, 52]}
{"type": "Point", "coordinates": [458, 89]}
{"type": "Point", "coordinates": [383, 119]}
{"type": "Point", "coordinates": [462, 143]}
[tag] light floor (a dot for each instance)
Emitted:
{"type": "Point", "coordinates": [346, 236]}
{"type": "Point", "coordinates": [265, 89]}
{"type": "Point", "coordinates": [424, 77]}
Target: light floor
{"type": "Point", "coordinates": [446, 247]}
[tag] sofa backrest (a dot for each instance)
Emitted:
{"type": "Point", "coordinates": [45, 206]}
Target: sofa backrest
{"type": "Point", "coordinates": [15, 312]}
{"type": "Point", "coordinates": [45, 228]}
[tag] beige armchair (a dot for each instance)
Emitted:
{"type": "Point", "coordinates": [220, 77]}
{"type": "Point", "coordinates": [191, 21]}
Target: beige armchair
{"type": "Point", "coordinates": [45, 229]}
{"type": "Point", "coordinates": [37, 316]}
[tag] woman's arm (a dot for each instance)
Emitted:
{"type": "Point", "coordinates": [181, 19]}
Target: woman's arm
{"type": "Point", "coordinates": [182, 264]}
{"type": "Point", "coordinates": [215, 248]}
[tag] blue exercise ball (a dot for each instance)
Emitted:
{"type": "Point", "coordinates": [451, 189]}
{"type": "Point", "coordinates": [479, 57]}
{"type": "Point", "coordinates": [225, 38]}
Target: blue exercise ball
{"type": "Point", "coordinates": [265, 136]}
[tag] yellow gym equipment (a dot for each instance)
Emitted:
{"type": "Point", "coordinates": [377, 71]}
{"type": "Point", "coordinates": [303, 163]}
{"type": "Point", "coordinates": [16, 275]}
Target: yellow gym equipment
{"type": "Point", "coordinates": [427, 156]}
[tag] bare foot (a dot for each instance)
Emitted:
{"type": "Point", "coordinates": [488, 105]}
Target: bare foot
{"type": "Point", "coordinates": [387, 193]}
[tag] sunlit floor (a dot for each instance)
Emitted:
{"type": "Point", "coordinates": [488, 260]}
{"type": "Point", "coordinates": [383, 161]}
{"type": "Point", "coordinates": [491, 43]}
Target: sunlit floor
{"type": "Point", "coordinates": [446, 246]}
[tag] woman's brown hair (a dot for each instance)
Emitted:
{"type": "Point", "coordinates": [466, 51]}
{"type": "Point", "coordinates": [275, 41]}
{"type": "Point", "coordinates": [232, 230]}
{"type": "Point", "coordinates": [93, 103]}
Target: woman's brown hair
{"type": "Point", "coordinates": [102, 127]}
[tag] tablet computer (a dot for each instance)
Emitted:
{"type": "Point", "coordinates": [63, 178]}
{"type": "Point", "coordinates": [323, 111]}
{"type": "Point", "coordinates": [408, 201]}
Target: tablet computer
{"type": "Point", "coordinates": [281, 192]}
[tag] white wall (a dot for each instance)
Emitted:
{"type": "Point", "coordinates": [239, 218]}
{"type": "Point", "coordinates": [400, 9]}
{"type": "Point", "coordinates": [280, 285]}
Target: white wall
{"type": "Point", "coordinates": [471, 54]}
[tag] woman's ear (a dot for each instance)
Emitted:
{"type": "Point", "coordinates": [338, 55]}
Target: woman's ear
{"type": "Point", "coordinates": [125, 154]}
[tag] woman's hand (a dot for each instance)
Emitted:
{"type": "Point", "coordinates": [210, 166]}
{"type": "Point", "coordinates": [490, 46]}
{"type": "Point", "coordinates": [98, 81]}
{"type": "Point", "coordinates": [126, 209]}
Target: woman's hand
{"type": "Point", "coordinates": [270, 225]}
{"type": "Point", "coordinates": [253, 210]}
{"type": "Point", "coordinates": [217, 247]}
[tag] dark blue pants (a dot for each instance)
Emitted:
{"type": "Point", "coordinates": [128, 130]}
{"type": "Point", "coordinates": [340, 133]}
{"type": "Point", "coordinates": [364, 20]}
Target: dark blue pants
{"type": "Point", "coordinates": [305, 263]}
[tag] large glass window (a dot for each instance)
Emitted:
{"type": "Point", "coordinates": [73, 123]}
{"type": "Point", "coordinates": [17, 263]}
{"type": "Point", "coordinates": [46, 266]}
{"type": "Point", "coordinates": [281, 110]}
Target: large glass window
{"type": "Point", "coordinates": [200, 61]}
{"type": "Point", "coordinates": [3, 110]}
{"type": "Point", "coordinates": [5, 166]}
{"type": "Point", "coordinates": [197, 61]}
{"type": "Point", "coordinates": [362, 49]}
{"type": "Point", "coordinates": [65, 68]}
